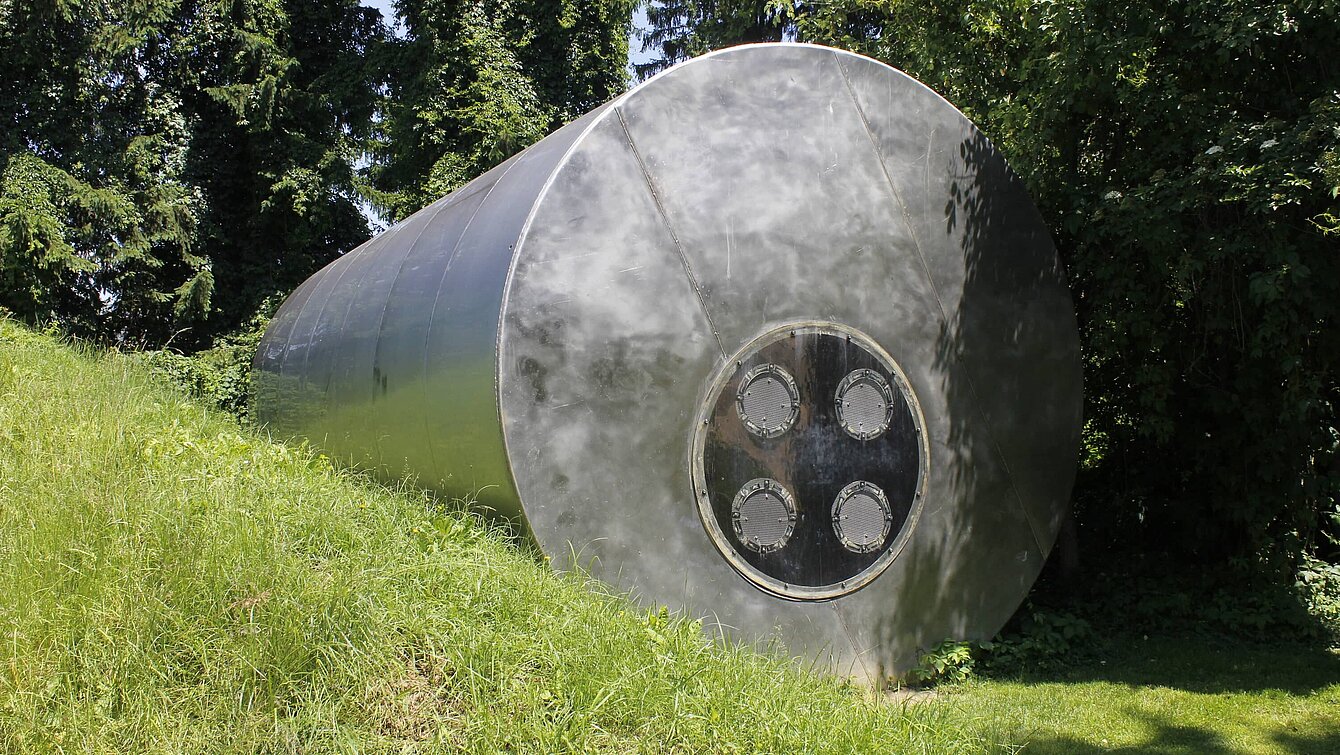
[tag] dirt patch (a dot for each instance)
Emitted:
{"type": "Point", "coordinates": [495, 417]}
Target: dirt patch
{"type": "Point", "coordinates": [418, 704]}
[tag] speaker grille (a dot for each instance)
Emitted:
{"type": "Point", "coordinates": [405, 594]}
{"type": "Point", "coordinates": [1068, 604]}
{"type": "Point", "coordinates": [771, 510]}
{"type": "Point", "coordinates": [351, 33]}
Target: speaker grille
{"type": "Point", "coordinates": [764, 515]}
{"type": "Point", "coordinates": [768, 401]}
{"type": "Point", "coordinates": [861, 517]}
{"type": "Point", "coordinates": [864, 404]}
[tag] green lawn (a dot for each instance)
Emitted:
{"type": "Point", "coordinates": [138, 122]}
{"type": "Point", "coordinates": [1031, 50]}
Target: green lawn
{"type": "Point", "coordinates": [1170, 696]}
{"type": "Point", "coordinates": [172, 582]}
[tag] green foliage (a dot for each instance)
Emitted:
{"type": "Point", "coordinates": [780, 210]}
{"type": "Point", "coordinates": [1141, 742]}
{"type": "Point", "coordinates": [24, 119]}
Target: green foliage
{"type": "Point", "coordinates": [165, 165]}
{"type": "Point", "coordinates": [682, 29]}
{"type": "Point", "coordinates": [1187, 158]}
{"type": "Point", "coordinates": [950, 662]}
{"type": "Point", "coordinates": [283, 95]}
{"type": "Point", "coordinates": [170, 581]}
{"type": "Point", "coordinates": [1040, 640]}
{"type": "Point", "coordinates": [475, 82]}
{"type": "Point", "coordinates": [37, 264]}
{"type": "Point", "coordinates": [96, 219]}
{"type": "Point", "coordinates": [220, 376]}
{"type": "Point", "coordinates": [1153, 600]}
{"type": "Point", "coordinates": [168, 165]}
{"type": "Point", "coordinates": [1241, 609]}
{"type": "Point", "coordinates": [1318, 585]}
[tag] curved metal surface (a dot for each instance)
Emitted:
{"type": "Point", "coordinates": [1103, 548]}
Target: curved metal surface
{"type": "Point", "coordinates": [389, 363]}
{"type": "Point", "coordinates": [545, 338]}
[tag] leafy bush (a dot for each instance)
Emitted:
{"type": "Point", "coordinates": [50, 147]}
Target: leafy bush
{"type": "Point", "coordinates": [949, 662]}
{"type": "Point", "coordinates": [1043, 640]}
{"type": "Point", "coordinates": [1157, 600]}
{"type": "Point", "coordinates": [1319, 587]}
{"type": "Point", "coordinates": [219, 376]}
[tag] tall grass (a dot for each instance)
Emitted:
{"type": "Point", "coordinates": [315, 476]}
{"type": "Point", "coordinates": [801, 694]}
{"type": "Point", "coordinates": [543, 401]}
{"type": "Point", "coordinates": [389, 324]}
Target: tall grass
{"type": "Point", "coordinates": [170, 581]}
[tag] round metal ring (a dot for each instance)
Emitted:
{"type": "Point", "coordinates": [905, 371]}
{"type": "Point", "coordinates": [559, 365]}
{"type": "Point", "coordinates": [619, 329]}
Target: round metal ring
{"type": "Point", "coordinates": [864, 403]}
{"type": "Point", "coordinates": [768, 401]}
{"type": "Point", "coordinates": [862, 517]}
{"type": "Point", "coordinates": [763, 515]}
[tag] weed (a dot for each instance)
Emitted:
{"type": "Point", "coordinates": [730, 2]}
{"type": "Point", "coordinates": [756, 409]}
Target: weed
{"type": "Point", "coordinates": [949, 662]}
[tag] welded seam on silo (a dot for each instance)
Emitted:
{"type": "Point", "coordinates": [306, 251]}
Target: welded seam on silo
{"type": "Point", "coordinates": [300, 296]}
{"type": "Point", "coordinates": [383, 241]}
{"type": "Point", "coordinates": [400, 270]}
{"type": "Point", "coordinates": [944, 314]}
{"type": "Point", "coordinates": [857, 653]}
{"type": "Point", "coordinates": [432, 313]}
{"type": "Point", "coordinates": [888, 180]}
{"type": "Point", "coordinates": [299, 299]}
{"type": "Point", "coordinates": [337, 335]}
{"type": "Point", "coordinates": [669, 227]}
{"type": "Point", "coordinates": [327, 277]}
{"type": "Point", "coordinates": [345, 262]}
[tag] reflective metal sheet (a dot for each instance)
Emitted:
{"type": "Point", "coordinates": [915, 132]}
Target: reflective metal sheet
{"type": "Point", "coordinates": [398, 358]}
{"type": "Point", "coordinates": [548, 337]}
{"type": "Point", "coordinates": [270, 395]}
{"type": "Point", "coordinates": [603, 344]}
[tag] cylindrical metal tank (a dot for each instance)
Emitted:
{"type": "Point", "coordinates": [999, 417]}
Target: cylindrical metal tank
{"type": "Point", "coordinates": [775, 338]}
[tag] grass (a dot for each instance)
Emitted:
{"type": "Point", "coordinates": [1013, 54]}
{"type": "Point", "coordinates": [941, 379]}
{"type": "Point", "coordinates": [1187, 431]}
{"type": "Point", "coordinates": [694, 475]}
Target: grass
{"type": "Point", "coordinates": [170, 581]}
{"type": "Point", "coordinates": [173, 582]}
{"type": "Point", "coordinates": [1171, 696]}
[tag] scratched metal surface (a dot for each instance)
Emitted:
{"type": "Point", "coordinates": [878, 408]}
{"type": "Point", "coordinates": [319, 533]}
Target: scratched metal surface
{"type": "Point", "coordinates": [548, 335]}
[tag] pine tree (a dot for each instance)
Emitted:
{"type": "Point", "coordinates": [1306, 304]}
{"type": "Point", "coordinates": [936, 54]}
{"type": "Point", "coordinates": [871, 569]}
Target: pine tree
{"type": "Point", "coordinates": [476, 81]}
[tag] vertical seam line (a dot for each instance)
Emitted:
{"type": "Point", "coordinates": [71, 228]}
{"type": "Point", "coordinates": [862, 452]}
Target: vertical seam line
{"type": "Point", "coordinates": [893, 189]}
{"type": "Point", "coordinates": [432, 312]}
{"type": "Point", "coordinates": [674, 237]}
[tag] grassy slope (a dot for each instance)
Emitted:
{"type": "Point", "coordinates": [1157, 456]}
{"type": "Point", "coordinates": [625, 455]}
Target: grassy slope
{"type": "Point", "coordinates": [1172, 696]}
{"type": "Point", "coordinates": [170, 581]}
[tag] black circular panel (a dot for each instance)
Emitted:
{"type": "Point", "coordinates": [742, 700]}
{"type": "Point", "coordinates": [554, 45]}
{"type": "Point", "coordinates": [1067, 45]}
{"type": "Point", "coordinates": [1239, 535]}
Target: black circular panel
{"type": "Point", "coordinates": [820, 501]}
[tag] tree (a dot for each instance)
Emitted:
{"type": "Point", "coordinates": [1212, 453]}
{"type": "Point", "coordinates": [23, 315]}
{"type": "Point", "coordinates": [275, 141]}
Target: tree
{"type": "Point", "coordinates": [167, 164]}
{"type": "Point", "coordinates": [475, 81]}
{"type": "Point", "coordinates": [1187, 158]}
{"type": "Point", "coordinates": [96, 221]}
{"type": "Point", "coordinates": [282, 96]}
{"type": "Point", "coordinates": [683, 29]}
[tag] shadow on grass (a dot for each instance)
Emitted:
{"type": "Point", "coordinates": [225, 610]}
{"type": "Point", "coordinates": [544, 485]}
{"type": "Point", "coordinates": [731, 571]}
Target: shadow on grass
{"type": "Point", "coordinates": [1165, 737]}
{"type": "Point", "coordinates": [1185, 695]}
{"type": "Point", "coordinates": [1205, 666]}
{"type": "Point", "coordinates": [1303, 744]}
{"type": "Point", "coordinates": [1169, 738]}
